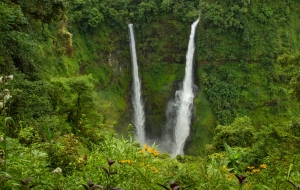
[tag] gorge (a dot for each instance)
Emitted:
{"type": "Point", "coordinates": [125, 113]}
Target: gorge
{"type": "Point", "coordinates": [179, 127]}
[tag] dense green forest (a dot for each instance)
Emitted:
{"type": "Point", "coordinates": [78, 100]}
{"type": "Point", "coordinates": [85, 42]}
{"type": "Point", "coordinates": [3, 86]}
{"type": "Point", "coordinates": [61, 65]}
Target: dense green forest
{"type": "Point", "coordinates": [65, 109]}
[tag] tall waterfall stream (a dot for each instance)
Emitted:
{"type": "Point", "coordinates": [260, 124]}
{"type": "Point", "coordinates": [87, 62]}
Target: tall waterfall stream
{"type": "Point", "coordinates": [139, 115]}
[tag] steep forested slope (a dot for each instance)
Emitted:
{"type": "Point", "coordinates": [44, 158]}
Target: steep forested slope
{"type": "Point", "coordinates": [239, 44]}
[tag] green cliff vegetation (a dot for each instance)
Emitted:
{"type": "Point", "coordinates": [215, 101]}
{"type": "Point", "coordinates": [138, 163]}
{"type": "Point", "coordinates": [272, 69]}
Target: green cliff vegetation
{"type": "Point", "coordinates": [66, 87]}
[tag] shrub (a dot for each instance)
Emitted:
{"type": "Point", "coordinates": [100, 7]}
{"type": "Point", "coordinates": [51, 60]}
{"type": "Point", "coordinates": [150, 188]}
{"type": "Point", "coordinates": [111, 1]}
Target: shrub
{"type": "Point", "coordinates": [238, 134]}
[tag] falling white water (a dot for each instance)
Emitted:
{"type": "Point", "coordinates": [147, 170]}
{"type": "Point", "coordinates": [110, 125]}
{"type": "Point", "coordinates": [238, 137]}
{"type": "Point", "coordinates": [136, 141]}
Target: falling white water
{"type": "Point", "coordinates": [139, 115]}
{"type": "Point", "coordinates": [184, 98]}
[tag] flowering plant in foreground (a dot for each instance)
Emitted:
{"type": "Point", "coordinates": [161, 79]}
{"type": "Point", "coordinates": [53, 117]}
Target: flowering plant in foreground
{"type": "Point", "coordinates": [150, 150]}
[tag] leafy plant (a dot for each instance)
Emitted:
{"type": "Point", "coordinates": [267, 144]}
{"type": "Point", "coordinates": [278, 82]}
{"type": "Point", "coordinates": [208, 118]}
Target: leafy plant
{"type": "Point", "coordinates": [91, 186]}
{"type": "Point", "coordinates": [22, 184]}
{"type": "Point", "coordinates": [234, 156]}
{"type": "Point", "coordinates": [109, 173]}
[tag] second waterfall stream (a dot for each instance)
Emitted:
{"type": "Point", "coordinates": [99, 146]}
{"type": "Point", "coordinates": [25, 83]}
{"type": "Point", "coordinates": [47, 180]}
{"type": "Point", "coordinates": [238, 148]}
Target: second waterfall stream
{"type": "Point", "coordinates": [184, 99]}
{"type": "Point", "coordinates": [179, 109]}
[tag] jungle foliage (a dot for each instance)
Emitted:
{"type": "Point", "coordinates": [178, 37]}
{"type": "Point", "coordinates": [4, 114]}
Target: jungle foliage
{"type": "Point", "coordinates": [65, 88]}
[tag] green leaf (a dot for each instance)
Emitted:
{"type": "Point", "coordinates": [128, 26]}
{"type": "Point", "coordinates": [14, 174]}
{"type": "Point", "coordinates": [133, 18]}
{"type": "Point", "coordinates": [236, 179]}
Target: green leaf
{"type": "Point", "coordinates": [179, 173]}
{"type": "Point", "coordinates": [228, 149]}
{"type": "Point", "coordinates": [238, 155]}
{"type": "Point", "coordinates": [290, 169]}
{"type": "Point", "coordinates": [49, 133]}
{"type": "Point", "coordinates": [5, 175]}
{"type": "Point", "coordinates": [144, 178]}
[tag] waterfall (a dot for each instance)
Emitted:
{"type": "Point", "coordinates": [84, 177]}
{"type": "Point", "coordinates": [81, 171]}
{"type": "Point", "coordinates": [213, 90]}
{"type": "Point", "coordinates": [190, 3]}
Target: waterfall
{"type": "Point", "coordinates": [139, 115]}
{"type": "Point", "coordinates": [184, 99]}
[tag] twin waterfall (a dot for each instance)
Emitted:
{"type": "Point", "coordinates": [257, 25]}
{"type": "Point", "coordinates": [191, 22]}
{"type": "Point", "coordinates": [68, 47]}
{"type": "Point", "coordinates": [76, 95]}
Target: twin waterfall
{"type": "Point", "coordinates": [178, 126]}
{"type": "Point", "coordinates": [139, 115]}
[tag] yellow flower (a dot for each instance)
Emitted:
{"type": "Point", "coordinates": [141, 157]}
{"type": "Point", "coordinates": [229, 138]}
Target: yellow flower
{"type": "Point", "coordinates": [247, 172]}
{"type": "Point", "coordinates": [150, 150]}
{"type": "Point", "coordinates": [256, 170]}
{"type": "Point", "coordinates": [154, 169]}
{"type": "Point", "coordinates": [155, 152]}
{"type": "Point", "coordinates": [250, 167]}
{"type": "Point", "coordinates": [218, 155]}
{"type": "Point", "coordinates": [123, 161]}
{"type": "Point", "coordinates": [141, 151]}
{"type": "Point", "coordinates": [263, 166]}
{"type": "Point", "coordinates": [145, 146]}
